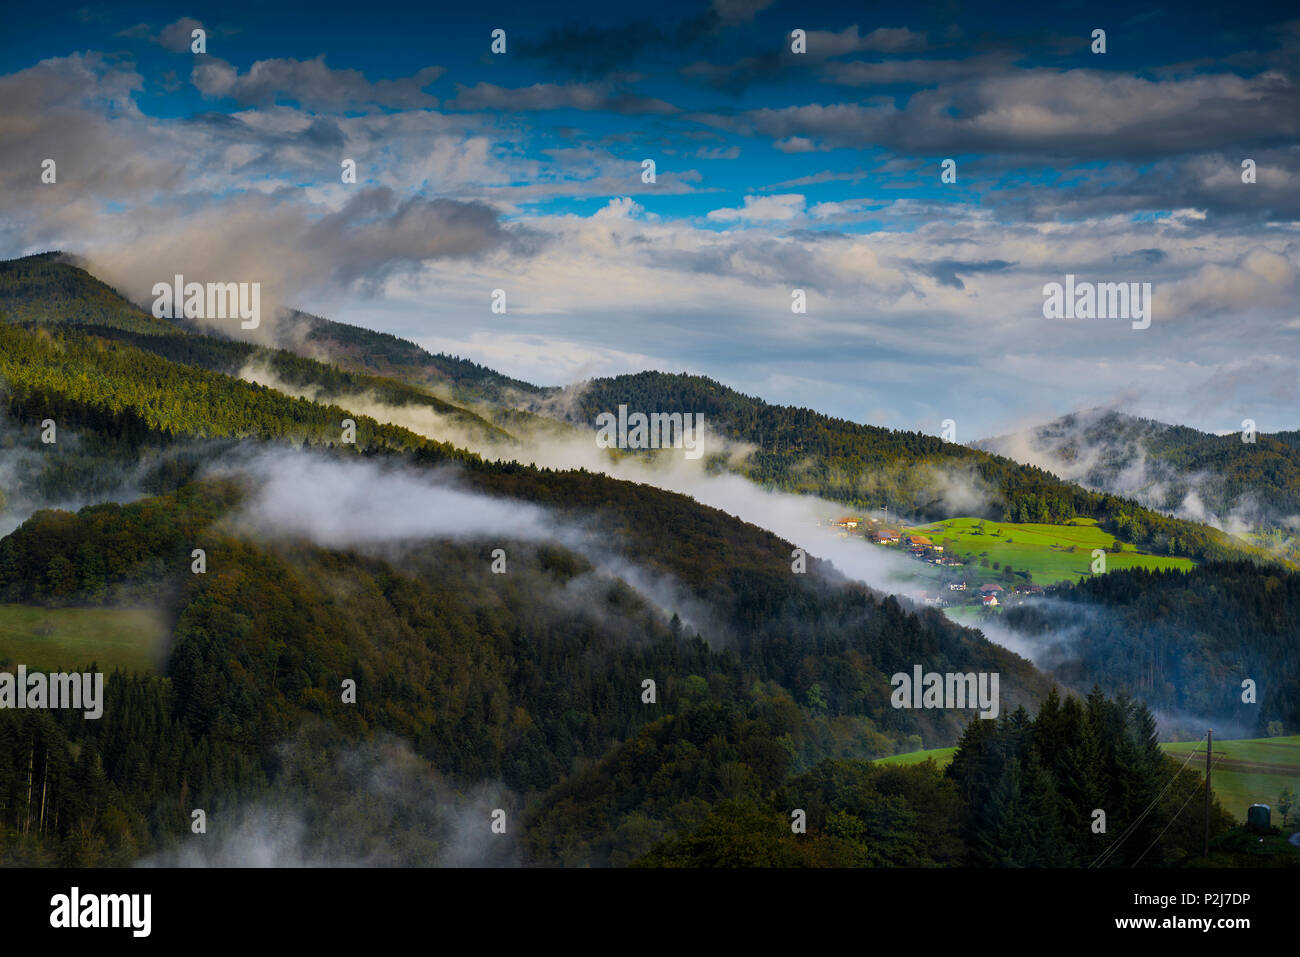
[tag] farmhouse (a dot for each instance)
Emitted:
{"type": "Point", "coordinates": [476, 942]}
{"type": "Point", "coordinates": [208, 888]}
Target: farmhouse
{"type": "Point", "coordinates": [990, 601]}
{"type": "Point", "coordinates": [846, 522]}
{"type": "Point", "coordinates": [990, 589]}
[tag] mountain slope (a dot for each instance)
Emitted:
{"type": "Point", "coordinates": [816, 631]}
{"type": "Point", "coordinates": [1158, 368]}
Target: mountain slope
{"type": "Point", "coordinates": [1185, 642]}
{"type": "Point", "coordinates": [379, 353]}
{"type": "Point", "coordinates": [917, 476]}
{"type": "Point", "coordinates": [370, 568]}
{"type": "Point", "coordinates": [1221, 479]}
{"type": "Point", "coordinates": [49, 288]}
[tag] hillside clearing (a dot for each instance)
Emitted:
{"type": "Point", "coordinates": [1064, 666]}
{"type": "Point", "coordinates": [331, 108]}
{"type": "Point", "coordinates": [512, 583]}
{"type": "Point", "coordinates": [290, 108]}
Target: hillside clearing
{"type": "Point", "coordinates": [69, 639]}
{"type": "Point", "coordinates": [1049, 553]}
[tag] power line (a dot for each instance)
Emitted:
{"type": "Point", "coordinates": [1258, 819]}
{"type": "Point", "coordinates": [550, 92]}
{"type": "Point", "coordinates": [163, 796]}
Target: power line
{"type": "Point", "coordinates": [1129, 830]}
{"type": "Point", "coordinates": [1174, 818]}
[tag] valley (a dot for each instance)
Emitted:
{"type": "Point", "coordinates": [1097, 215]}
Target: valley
{"type": "Point", "coordinates": [498, 590]}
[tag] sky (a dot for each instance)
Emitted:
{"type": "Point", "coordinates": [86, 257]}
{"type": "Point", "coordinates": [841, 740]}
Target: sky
{"type": "Point", "coordinates": [774, 171]}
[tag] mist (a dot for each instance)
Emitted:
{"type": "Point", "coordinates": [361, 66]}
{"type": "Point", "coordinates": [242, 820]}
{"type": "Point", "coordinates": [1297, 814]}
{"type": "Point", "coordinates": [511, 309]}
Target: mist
{"type": "Point", "coordinates": [375, 804]}
{"type": "Point", "coordinates": [344, 503]}
{"type": "Point", "coordinates": [1114, 456]}
{"type": "Point", "coordinates": [792, 517]}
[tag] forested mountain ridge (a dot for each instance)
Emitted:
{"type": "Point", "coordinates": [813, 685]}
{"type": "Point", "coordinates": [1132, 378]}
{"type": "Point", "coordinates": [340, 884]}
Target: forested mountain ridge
{"type": "Point", "coordinates": [1183, 641]}
{"type": "Point", "coordinates": [313, 379]}
{"type": "Point", "coordinates": [486, 676]}
{"type": "Point", "coordinates": [379, 353]}
{"type": "Point", "coordinates": [132, 393]}
{"type": "Point", "coordinates": [1235, 478]}
{"type": "Point", "coordinates": [916, 475]}
{"type": "Point", "coordinates": [481, 674]}
{"type": "Point", "coordinates": [46, 288]}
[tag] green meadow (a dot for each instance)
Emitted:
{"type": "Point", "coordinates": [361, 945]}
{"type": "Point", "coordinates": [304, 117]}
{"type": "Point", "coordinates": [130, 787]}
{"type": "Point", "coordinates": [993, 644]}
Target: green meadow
{"type": "Point", "coordinates": [1050, 553]}
{"type": "Point", "coordinates": [1251, 771]}
{"type": "Point", "coordinates": [68, 639]}
{"type": "Point", "coordinates": [942, 756]}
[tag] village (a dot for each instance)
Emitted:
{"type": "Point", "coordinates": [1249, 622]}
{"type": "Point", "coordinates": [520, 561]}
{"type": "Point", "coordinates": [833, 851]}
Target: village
{"type": "Point", "coordinates": [962, 583]}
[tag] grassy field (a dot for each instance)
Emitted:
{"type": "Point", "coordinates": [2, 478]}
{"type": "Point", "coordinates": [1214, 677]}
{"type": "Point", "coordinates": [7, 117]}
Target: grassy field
{"type": "Point", "coordinates": [1042, 550]}
{"type": "Point", "coordinates": [941, 755]}
{"type": "Point", "coordinates": [68, 639]}
{"type": "Point", "coordinates": [1251, 771]}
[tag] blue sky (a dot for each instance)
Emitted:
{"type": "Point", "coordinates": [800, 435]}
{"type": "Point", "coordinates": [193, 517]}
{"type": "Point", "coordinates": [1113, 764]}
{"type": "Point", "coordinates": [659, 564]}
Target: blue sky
{"type": "Point", "coordinates": [775, 171]}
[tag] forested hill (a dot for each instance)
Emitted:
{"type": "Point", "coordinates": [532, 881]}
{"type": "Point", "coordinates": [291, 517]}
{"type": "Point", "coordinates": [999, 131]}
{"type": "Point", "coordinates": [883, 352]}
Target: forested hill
{"type": "Point", "coordinates": [147, 404]}
{"type": "Point", "coordinates": [914, 474]}
{"type": "Point", "coordinates": [1252, 478]}
{"type": "Point", "coordinates": [1182, 641]}
{"type": "Point", "coordinates": [46, 288]}
{"type": "Point", "coordinates": [519, 679]}
{"type": "Point", "coordinates": [46, 291]}
{"type": "Point", "coordinates": [379, 353]}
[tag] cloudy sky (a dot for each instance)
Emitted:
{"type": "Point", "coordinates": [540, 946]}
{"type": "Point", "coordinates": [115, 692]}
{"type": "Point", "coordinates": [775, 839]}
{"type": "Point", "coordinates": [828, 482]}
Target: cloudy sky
{"type": "Point", "coordinates": [774, 171]}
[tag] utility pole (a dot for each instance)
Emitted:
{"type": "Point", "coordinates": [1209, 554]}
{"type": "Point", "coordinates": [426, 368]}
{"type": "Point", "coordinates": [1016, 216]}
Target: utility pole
{"type": "Point", "coordinates": [1209, 749]}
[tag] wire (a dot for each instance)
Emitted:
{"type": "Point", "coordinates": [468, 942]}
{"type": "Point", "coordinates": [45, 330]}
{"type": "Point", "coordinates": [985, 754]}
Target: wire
{"type": "Point", "coordinates": [1194, 793]}
{"type": "Point", "coordinates": [1129, 830]}
{"type": "Point", "coordinates": [1132, 827]}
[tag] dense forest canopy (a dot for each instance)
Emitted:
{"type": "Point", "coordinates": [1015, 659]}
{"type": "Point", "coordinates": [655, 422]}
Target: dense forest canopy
{"type": "Point", "coordinates": [1243, 476]}
{"type": "Point", "coordinates": [910, 473]}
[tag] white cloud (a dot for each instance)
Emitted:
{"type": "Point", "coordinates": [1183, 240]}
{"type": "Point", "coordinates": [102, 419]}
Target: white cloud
{"type": "Point", "coordinates": [795, 144]}
{"type": "Point", "coordinates": [762, 209]}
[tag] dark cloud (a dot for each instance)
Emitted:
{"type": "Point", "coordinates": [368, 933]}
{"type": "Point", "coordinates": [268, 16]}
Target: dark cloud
{"type": "Point", "coordinates": [312, 84]}
{"type": "Point", "coordinates": [1210, 182]}
{"type": "Point", "coordinates": [913, 71]}
{"type": "Point", "coordinates": [556, 96]}
{"type": "Point", "coordinates": [947, 271]}
{"type": "Point", "coordinates": [176, 37]}
{"type": "Point", "coordinates": [376, 234]}
{"type": "Point", "coordinates": [1079, 114]}
{"type": "Point", "coordinates": [734, 12]}
{"type": "Point", "coordinates": [1140, 257]}
{"type": "Point", "coordinates": [590, 52]}
{"type": "Point", "coordinates": [779, 63]}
